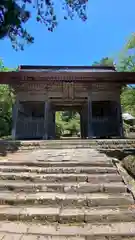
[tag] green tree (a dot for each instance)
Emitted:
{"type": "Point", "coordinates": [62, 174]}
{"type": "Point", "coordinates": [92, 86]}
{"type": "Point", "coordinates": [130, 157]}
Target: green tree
{"type": "Point", "coordinates": [67, 123]}
{"type": "Point", "coordinates": [73, 125]}
{"type": "Point", "coordinates": [126, 64]}
{"type": "Point", "coordinates": [6, 101]}
{"type": "Point", "coordinates": [72, 122]}
{"type": "Point", "coordinates": [14, 14]}
{"type": "Point", "coordinates": [131, 42]}
{"type": "Point", "coordinates": [59, 124]}
{"type": "Point", "coordinates": [128, 100]}
{"type": "Point", "coordinates": [68, 115]}
{"type": "Point", "coordinates": [106, 61]}
{"type": "Point", "coordinates": [126, 60]}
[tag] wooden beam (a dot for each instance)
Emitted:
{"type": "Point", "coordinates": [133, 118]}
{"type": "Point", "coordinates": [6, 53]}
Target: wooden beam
{"type": "Point", "coordinates": [56, 77]}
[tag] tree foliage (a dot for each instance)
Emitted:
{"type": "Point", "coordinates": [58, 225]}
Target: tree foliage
{"type": "Point", "coordinates": [127, 64]}
{"type": "Point", "coordinates": [104, 62]}
{"type": "Point", "coordinates": [59, 124]}
{"type": "Point", "coordinates": [128, 100]}
{"type": "Point", "coordinates": [68, 122]}
{"type": "Point", "coordinates": [131, 43]}
{"type": "Point", "coordinates": [6, 101]}
{"type": "Point", "coordinates": [14, 14]}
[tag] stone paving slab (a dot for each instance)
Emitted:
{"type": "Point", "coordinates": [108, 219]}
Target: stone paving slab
{"type": "Point", "coordinates": [61, 199]}
{"type": "Point", "coordinates": [97, 162]}
{"type": "Point", "coordinates": [65, 177]}
{"type": "Point", "coordinates": [55, 154]}
{"type": "Point", "coordinates": [82, 230]}
{"type": "Point", "coordinates": [58, 169]}
{"type": "Point", "coordinates": [13, 237]}
{"type": "Point", "coordinates": [67, 187]}
{"type": "Point", "coordinates": [86, 230]}
{"type": "Point", "coordinates": [5, 236]}
{"type": "Point", "coordinates": [80, 177]}
{"type": "Point", "coordinates": [67, 215]}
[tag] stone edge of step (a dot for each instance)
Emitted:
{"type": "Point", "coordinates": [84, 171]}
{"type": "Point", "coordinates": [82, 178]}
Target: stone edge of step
{"type": "Point", "coordinates": [89, 170]}
{"type": "Point", "coordinates": [62, 199]}
{"type": "Point", "coordinates": [73, 215]}
{"type": "Point", "coordinates": [64, 187]}
{"type": "Point", "coordinates": [127, 179]}
{"type": "Point", "coordinates": [66, 177]}
{"type": "Point", "coordinates": [115, 229]}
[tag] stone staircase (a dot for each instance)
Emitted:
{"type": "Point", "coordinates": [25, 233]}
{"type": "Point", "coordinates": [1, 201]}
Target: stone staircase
{"type": "Point", "coordinates": [73, 194]}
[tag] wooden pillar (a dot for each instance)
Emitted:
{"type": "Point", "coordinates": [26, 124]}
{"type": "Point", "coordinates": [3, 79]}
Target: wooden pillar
{"type": "Point", "coordinates": [51, 124]}
{"type": "Point", "coordinates": [46, 115]}
{"type": "Point", "coordinates": [14, 118]}
{"type": "Point", "coordinates": [90, 132]}
{"type": "Point", "coordinates": [120, 120]}
{"type": "Point", "coordinates": [82, 125]}
{"type": "Point", "coordinates": [84, 121]}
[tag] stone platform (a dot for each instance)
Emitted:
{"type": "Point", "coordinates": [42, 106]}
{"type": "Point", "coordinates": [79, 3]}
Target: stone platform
{"type": "Point", "coordinates": [98, 144]}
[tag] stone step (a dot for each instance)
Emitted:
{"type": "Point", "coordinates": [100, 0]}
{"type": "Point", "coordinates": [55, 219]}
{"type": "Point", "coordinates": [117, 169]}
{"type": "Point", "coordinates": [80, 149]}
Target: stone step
{"type": "Point", "coordinates": [72, 187]}
{"type": "Point", "coordinates": [99, 231]}
{"type": "Point", "coordinates": [66, 216]}
{"type": "Point", "coordinates": [64, 177]}
{"type": "Point", "coordinates": [14, 236]}
{"type": "Point", "coordinates": [63, 199]}
{"type": "Point", "coordinates": [76, 144]}
{"type": "Point", "coordinates": [97, 162]}
{"type": "Point", "coordinates": [79, 144]}
{"type": "Point", "coordinates": [58, 169]}
{"type": "Point", "coordinates": [100, 146]}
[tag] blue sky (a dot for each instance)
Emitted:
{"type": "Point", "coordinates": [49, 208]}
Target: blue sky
{"type": "Point", "coordinates": [109, 25]}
